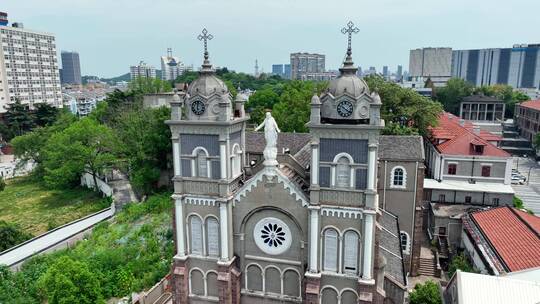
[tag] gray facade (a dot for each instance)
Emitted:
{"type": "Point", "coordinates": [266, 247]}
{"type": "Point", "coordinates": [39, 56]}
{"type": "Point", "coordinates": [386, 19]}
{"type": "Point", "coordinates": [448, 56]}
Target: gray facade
{"type": "Point", "coordinates": [518, 66]}
{"type": "Point", "coordinates": [305, 63]}
{"type": "Point", "coordinates": [71, 68]}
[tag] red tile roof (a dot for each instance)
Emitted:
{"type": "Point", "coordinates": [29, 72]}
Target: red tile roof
{"type": "Point", "coordinates": [531, 104]}
{"type": "Point", "coordinates": [450, 137]}
{"type": "Point", "coordinates": [513, 234]}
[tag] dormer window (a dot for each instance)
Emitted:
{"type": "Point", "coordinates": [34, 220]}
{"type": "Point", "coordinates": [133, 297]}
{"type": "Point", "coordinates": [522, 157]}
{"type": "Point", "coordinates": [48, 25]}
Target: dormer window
{"type": "Point", "coordinates": [477, 147]}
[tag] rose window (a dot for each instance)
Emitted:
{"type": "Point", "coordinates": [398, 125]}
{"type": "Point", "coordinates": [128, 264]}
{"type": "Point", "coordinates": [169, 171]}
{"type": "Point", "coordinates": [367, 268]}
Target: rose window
{"type": "Point", "coordinates": [272, 236]}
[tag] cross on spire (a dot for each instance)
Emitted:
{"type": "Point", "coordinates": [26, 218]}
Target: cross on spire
{"type": "Point", "coordinates": [205, 37]}
{"type": "Point", "coordinates": [349, 30]}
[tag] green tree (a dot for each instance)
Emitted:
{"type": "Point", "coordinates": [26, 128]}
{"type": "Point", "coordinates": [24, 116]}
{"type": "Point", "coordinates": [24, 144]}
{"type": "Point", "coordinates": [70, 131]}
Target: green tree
{"type": "Point", "coordinates": [404, 111]}
{"type": "Point", "coordinates": [70, 282]}
{"type": "Point", "coordinates": [147, 85]}
{"type": "Point", "coordinates": [505, 93]}
{"type": "Point", "coordinates": [427, 293]}
{"type": "Point", "coordinates": [452, 94]}
{"type": "Point", "coordinates": [146, 143]}
{"type": "Point", "coordinates": [11, 235]}
{"type": "Point", "coordinates": [459, 261]}
{"type": "Point", "coordinates": [45, 114]}
{"type": "Point", "coordinates": [187, 77]}
{"type": "Point", "coordinates": [83, 146]}
{"type": "Point", "coordinates": [19, 118]}
{"type": "Point", "coordinates": [259, 102]}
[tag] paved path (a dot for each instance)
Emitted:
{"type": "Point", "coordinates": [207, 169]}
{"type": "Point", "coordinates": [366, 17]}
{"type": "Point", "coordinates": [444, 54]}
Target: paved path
{"type": "Point", "coordinates": [530, 191]}
{"type": "Point", "coordinates": [47, 240]}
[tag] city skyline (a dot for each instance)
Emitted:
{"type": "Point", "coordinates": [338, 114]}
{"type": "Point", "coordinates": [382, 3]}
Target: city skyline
{"type": "Point", "coordinates": [110, 43]}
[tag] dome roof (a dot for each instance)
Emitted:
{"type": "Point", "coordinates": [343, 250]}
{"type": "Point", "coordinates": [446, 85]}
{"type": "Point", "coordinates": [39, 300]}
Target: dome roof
{"type": "Point", "coordinates": [207, 84]}
{"type": "Point", "coordinates": [348, 83]}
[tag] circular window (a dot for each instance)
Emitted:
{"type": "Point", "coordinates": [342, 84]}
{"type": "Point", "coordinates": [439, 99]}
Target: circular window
{"type": "Point", "coordinates": [272, 235]}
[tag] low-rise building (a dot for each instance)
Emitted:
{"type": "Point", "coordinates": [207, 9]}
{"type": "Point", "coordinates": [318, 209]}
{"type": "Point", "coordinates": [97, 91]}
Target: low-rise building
{"type": "Point", "coordinates": [482, 108]}
{"type": "Point", "coordinates": [502, 240]}
{"type": "Point", "coordinates": [527, 118]}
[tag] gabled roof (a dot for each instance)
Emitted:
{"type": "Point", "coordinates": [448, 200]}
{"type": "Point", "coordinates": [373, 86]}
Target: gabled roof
{"type": "Point", "coordinates": [513, 234]}
{"type": "Point", "coordinates": [531, 104]}
{"type": "Point", "coordinates": [454, 136]}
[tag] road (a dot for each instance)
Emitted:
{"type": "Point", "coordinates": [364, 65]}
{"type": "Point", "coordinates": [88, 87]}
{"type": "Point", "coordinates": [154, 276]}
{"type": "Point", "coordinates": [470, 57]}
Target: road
{"type": "Point", "coordinates": [530, 191]}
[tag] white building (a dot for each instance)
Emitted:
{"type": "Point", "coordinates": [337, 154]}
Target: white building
{"type": "Point", "coordinates": [142, 70]}
{"type": "Point", "coordinates": [171, 66]}
{"type": "Point", "coordinates": [28, 68]}
{"type": "Point", "coordinates": [435, 63]}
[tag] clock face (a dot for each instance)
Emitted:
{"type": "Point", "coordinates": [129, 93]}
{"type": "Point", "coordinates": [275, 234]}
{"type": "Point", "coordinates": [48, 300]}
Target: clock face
{"type": "Point", "coordinates": [345, 108]}
{"type": "Point", "coordinates": [198, 107]}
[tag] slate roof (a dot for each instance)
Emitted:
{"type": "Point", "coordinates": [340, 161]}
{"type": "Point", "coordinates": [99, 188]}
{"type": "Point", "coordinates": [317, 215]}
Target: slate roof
{"type": "Point", "coordinates": [513, 234]}
{"type": "Point", "coordinates": [390, 247]}
{"type": "Point", "coordinates": [450, 137]}
{"type": "Point", "coordinates": [255, 142]}
{"type": "Point", "coordinates": [401, 147]}
{"type": "Point", "coordinates": [531, 104]}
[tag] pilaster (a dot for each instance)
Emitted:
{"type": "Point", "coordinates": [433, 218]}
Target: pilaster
{"type": "Point", "coordinates": [228, 283]}
{"type": "Point", "coordinates": [180, 281]}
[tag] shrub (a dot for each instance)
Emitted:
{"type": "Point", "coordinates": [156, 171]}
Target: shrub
{"type": "Point", "coordinates": [427, 293]}
{"type": "Point", "coordinates": [11, 235]}
{"type": "Point", "coordinates": [2, 184]}
{"type": "Point", "coordinates": [518, 203]}
{"type": "Point", "coordinates": [70, 281]}
{"type": "Point", "coordinates": [460, 262]}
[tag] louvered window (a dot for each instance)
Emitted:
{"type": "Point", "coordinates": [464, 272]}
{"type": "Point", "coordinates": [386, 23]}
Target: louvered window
{"type": "Point", "coordinates": [212, 231]}
{"type": "Point", "coordinates": [196, 235]}
{"type": "Point", "coordinates": [330, 250]}
{"type": "Point", "coordinates": [202, 165]}
{"type": "Point", "coordinates": [343, 173]}
{"type": "Point", "coordinates": [350, 252]}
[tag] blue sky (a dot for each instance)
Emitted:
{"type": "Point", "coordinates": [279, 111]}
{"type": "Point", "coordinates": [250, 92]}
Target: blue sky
{"type": "Point", "coordinates": [114, 34]}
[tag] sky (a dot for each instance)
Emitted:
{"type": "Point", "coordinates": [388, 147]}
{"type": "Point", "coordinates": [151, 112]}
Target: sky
{"type": "Point", "coordinates": [111, 35]}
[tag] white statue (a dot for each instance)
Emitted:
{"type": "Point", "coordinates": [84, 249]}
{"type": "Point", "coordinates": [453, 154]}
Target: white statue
{"type": "Point", "coordinates": [271, 130]}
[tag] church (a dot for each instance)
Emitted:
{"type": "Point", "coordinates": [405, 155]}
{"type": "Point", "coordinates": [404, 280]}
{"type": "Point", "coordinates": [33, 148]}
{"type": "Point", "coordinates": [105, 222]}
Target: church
{"type": "Point", "coordinates": [271, 217]}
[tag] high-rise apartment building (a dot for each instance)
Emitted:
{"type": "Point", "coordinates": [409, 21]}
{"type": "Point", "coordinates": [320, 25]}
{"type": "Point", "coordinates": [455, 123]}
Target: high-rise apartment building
{"type": "Point", "coordinates": [28, 67]}
{"type": "Point", "coordinates": [435, 63]}
{"type": "Point", "coordinates": [385, 71]}
{"type": "Point", "coordinates": [171, 66]}
{"type": "Point", "coordinates": [71, 68]}
{"type": "Point", "coordinates": [277, 69]}
{"type": "Point", "coordinates": [399, 73]}
{"type": "Point", "coordinates": [518, 66]}
{"type": "Point", "coordinates": [303, 64]}
{"type": "Point", "coordinates": [142, 70]}
{"type": "Point", "coordinates": [287, 71]}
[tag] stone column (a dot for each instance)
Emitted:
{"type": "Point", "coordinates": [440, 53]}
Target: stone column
{"type": "Point", "coordinates": [224, 230]}
{"type": "Point", "coordinates": [223, 158]}
{"type": "Point", "coordinates": [314, 163]}
{"type": "Point", "coordinates": [176, 157]}
{"type": "Point", "coordinates": [367, 265]}
{"type": "Point", "coordinates": [314, 239]}
{"type": "Point", "coordinates": [372, 165]}
{"type": "Point", "coordinates": [180, 235]}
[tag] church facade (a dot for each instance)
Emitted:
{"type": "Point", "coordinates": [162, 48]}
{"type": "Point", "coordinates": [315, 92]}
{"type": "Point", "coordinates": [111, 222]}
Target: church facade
{"type": "Point", "coordinates": [302, 228]}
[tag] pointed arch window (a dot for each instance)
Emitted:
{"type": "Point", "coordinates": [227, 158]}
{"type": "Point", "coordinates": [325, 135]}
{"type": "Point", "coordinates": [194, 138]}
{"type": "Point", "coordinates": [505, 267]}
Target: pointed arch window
{"type": "Point", "coordinates": [330, 250]}
{"type": "Point", "coordinates": [202, 163]}
{"type": "Point", "coordinates": [405, 241]}
{"type": "Point", "coordinates": [350, 252]}
{"type": "Point", "coordinates": [236, 160]}
{"type": "Point", "coordinates": [196, 244]}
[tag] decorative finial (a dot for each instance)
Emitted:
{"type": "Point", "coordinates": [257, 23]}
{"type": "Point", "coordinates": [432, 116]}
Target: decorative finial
{"type": "Point", "coordinates": [205, 36]}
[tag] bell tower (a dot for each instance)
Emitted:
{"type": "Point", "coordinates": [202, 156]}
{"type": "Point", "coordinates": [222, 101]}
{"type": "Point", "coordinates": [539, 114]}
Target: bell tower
{"type": "Point", "coordinates": [208, 140]}
{"type": "Point", "coordinates": [345, 124]}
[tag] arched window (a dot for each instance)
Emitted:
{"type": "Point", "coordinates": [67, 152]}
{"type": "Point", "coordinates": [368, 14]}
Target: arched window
{"type": "Point", "coordinates": [201, 163]}
{"type": "Point", "coordinates": [196, 282]}
{"type": "Point", "coordinates": [329, 296]}
{"type": "Point", "coordinates": [291, 283]}
{"type": "Point", "coordinates": [212, 284]}
{"type": "Point", "coordinates": [343, 172]}
{"type": "Point", "coordinates": [405, 241]}
{"type": "Point", "coordinates": [236, 160]}
{"type": "Point", "coordinates": [330, 250]}
{"type": "Point", "coordinates": [254, 280]}
{"type": "Point", "coordinates": [212, 237]}
{"type": "Point", "coordinates": [196, 235]}
{"type": "Point", "coordinates": [399, 177]}
{"type": "Point", "coordinates": [350, 252]}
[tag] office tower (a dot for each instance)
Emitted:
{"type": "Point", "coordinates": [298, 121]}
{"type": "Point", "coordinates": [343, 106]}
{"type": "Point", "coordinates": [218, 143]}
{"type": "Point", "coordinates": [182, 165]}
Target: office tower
{"type": "Point", "coordinates": [71, 68]}
{"type": "Point", "coordinates": [385, 71]}
{"type": "Point", "coordinates": [518, 66]}
{"type": "Point", "coordinates": [399, 73]}
{"type": "Point", "coordinates": [434, 63]}
{"type": "Point", "coordinates": [171, 66]}
{"type": "Point", "coordinates": [277, 69]}
{"type": "Point", "coordinates": [287, 71]}
{"type": "Point", "coordinates": [303, 64]}
{"type": "Point", "coordinates": [142, 70]}
{"type": "Point", "coordinates": [28, 67]}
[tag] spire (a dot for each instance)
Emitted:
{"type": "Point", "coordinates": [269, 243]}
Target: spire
{"type": "Point", "coordinates": [348, 64]}
{"type": "Point", "coordinates": [206, 66]}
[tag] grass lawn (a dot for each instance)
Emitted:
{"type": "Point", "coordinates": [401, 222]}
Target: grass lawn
{"type": "Point", "coordinates": [37, 209]}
